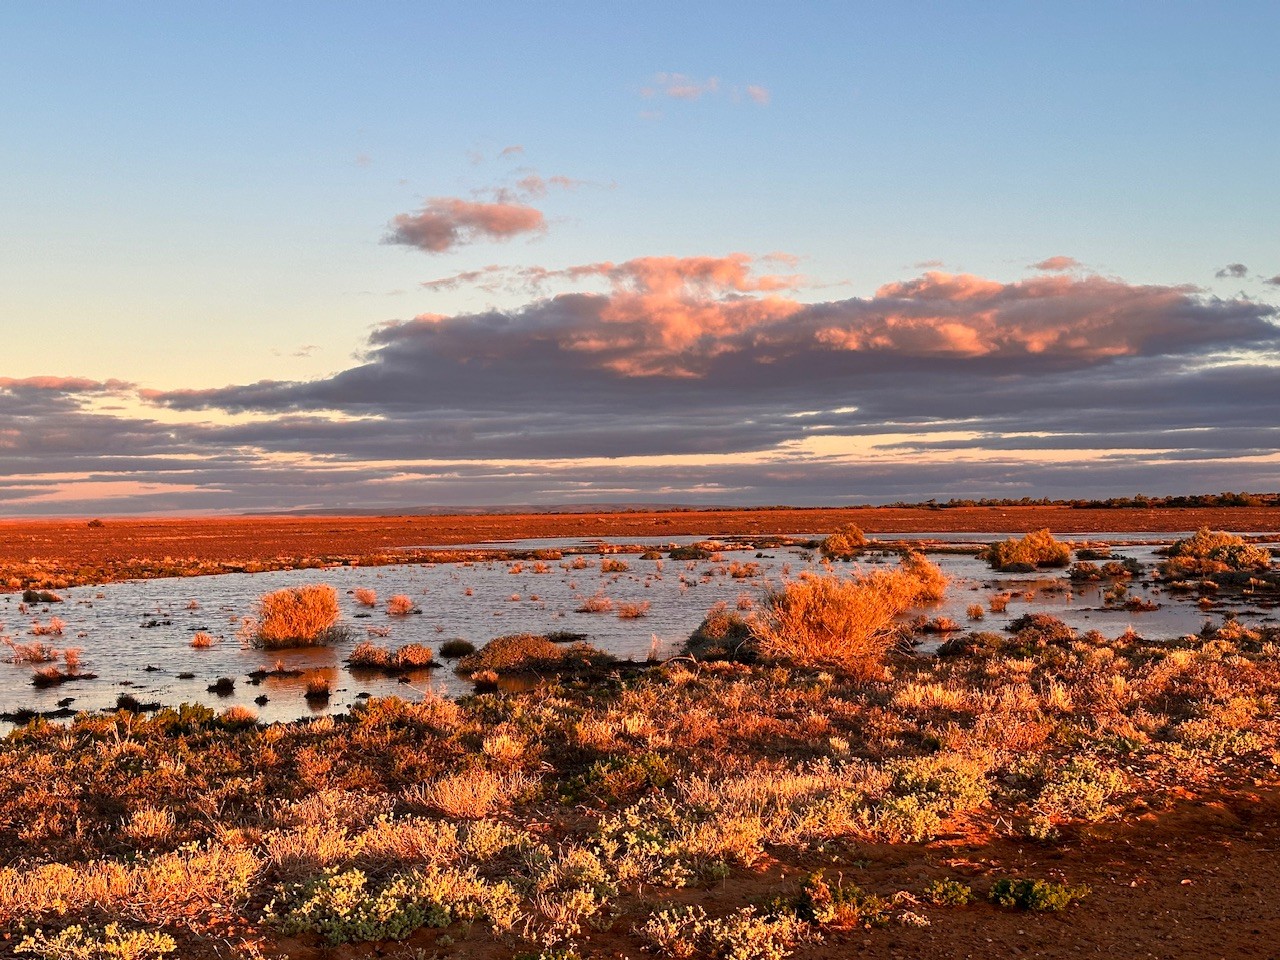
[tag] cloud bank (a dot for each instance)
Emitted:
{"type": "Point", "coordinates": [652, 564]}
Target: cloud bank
{"type": "Point", "coordinates": [698, 379]}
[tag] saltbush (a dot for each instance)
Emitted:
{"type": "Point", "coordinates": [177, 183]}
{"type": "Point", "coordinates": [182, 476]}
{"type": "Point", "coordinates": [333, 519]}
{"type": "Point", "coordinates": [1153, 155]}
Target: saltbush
{"type": "Point", "coordinates": [1036, 549]}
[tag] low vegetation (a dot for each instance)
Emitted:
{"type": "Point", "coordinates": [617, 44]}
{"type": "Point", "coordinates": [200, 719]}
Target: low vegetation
{"type": "Point", "coordinates": [582, 808]}
{"type": "Point", "coordinates": [305, 616]}
{"type": "Point", "coordinates": [844, 623]}
{"type": "Point", "coordinates": [845, 544]}
{"type": "Point", "coordinates": [1036, 550]}
{"type": "Point", "coordinates": [1210, 554]}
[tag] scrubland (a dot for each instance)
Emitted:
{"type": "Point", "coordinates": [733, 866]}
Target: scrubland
{"type": "Point", "coordinates": [799, 781]}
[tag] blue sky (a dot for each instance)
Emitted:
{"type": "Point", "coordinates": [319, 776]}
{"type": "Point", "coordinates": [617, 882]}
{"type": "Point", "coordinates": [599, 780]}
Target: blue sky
{"type": "Point", "coordinates": [199, 197]}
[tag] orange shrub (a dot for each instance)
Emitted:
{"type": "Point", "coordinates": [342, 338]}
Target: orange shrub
{"type": "Point", "coordinates": [296, 617]}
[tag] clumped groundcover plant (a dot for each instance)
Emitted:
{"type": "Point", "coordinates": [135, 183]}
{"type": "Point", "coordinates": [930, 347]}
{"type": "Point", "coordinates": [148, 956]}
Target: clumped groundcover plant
{"type": "Point", "coordinates": [638, 806]}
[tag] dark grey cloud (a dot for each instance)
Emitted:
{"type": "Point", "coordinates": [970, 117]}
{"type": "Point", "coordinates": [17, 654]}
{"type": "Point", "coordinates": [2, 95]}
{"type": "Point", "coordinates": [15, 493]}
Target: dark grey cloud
{"type": "Point", "coordinates": [1061, 385]}
{"type": "Point", "coordinates": [1234, 270]}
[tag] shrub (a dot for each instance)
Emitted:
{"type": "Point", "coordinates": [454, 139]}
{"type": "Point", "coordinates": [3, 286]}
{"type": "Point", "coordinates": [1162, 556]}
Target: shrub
{"type": "Point", "coordinates": [845, 544]}
{"type": "Point", "coordinates": [526, 651]}
{"type": "Point", "coordinates": [848, 624]}
{"type": "Point", "coordinates": [610, 565]}
{"type": "Point", "coordinates": [400, 604]}
{"type": "Point", "coordinates": [413, 656]}
{"type": "Point", "coordinates": [53, 628]}
{"type": "Point", "coordinates": [77, 943]}
{"type": "Point", "coordinates": [1036, 549]}
{"type": "Point", "coordinates": [452, 649]}
{"type": "Point", "coordinates": [341, 907]}
{"type": "Point", "coordinates": [370, 656]}
{"type": "Point", "coordinates": [633, 611]}
{"type": "Point", "coordinates": [202, 640]}
{"type": "Point", "coordinates": [596, 603]}
{"type": "Point", "coordinates": [1035, 894]}
{"type": "Point", "coordinates": [1207, 553]}
{"type": "Point", "coordinates": [839, 905]}
{"type": "Point", "coordinates": [721, 635]}
{"type": "Point", "coordinates": [366, 597]}
{"type": "Point", "coordinates": [35, 652]}
{"type": "Point", "coordinates": [948, 893]}
{"type": "Point", "coordinates": [296, 617]}
{"type": "Point", "coordinates": [975, 611]}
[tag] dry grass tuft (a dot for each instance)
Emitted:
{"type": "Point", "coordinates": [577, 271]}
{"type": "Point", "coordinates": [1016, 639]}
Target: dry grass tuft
{"type": "Point", "coordinates": [295, 617]}
{"type": "Point", "coordinates": [366, 597]}
{"type": "Point", "coordinates": [400, 604]}
{"type": "Point", "coordinates": [846, 624]}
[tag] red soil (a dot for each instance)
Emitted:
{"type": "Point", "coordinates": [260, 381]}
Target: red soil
{"type": "Point", "coordinates": [70, 551]}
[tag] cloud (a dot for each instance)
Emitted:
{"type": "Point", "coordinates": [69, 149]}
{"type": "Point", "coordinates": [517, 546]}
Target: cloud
{"type": "Point", "coordinates": [679, 86]}
{"type": "Point", "coordinates": [448, 222]}
{"type": "Point", "coordinates": [514, 150]}
{"type": "Point", "coordinates": [534, 185]}
{"type": "Point", "coordinates": [1232, 270]}
{"type": "Point", "coordinates": [1057, 264]}
{"type": "Point", "coordinates": [702, 329]}
{"type": "Point", "coordinates": [696, 380]}
{"type": "Point", "coordinates": [1273, 281]}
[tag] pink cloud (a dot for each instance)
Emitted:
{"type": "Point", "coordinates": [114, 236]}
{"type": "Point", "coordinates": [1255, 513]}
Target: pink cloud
{"type": "Point", "coordinates": [759, 94]}
{"type": "Point", "coordinates": [679, 86]}
{"type": "Point", "coordinates": [512, 151]}
{"type": "Point", "coordinates": [64, 384]}
{"type": "Point", "coordinates": [448, 222]}
{"type": "Point", "coordinates": [1057, 264]}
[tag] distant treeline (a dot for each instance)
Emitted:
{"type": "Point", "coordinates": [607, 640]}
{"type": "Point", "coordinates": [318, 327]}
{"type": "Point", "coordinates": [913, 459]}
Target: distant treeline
{"type": "Point", "coordinates": [1138, 501]}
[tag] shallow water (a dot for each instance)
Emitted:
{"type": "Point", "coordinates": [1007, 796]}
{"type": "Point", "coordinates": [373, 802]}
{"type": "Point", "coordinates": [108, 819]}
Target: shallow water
{"type": "Point", "coordinates": [136, 635]}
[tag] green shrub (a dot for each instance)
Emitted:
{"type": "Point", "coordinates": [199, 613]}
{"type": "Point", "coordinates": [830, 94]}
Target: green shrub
{"type": "Point", "coordinates": [341, 907]}
{"type": "Point", "coordinates": [526, 651]}
{"type": "Point", "coordinates": [1035, 894]}
{"type": "Point", "coordinates": [112, 943]}
{"type": "Point", "coordinates": [948, 893]}
{"type": "Point", "coordinates": [452, 649]}
{"type": "Point", "coordinates": [840, 905]}
{"type": "Point", "coordinates": [722, 635]}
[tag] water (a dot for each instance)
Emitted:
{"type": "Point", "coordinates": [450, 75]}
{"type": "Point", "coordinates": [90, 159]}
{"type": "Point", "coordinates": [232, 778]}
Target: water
{"type": "Point", "coordinates": [136, 635]}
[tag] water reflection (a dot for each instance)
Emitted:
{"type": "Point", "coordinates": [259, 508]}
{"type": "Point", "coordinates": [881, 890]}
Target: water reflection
{"type": "Point", "coordinates": [137, 636]}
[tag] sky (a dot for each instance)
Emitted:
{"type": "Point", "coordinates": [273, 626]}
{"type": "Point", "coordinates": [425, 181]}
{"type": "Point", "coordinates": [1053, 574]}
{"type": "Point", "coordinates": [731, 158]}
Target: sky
{"type": "Point", "coordinates": [384, 256]}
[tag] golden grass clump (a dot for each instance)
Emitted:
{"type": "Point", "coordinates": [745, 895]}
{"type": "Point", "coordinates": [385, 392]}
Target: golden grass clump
{"type": "Point", "coordinates": [596, 603]}
{"type": "Point", "coordinates": [845, 544]}
{"type": "Point", "coordinates": [400, 604]}
{"type": "Point", "coordinates": [202, 640]}
{"type": "Point", "coordinates": [296, 617]}
{"type": "Point", "coordinates": [633, 611]}
{"type": "Point", "coordinates": [1208, 552]}
{"type": "Point", "coordinates": [610, 565]}
{"type": "Point", "coordinates": [840, 623]}
{"type": "Point", "coordinates": [1036, 549]}
{"type": "Point", "coordinates": [366, 597]}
